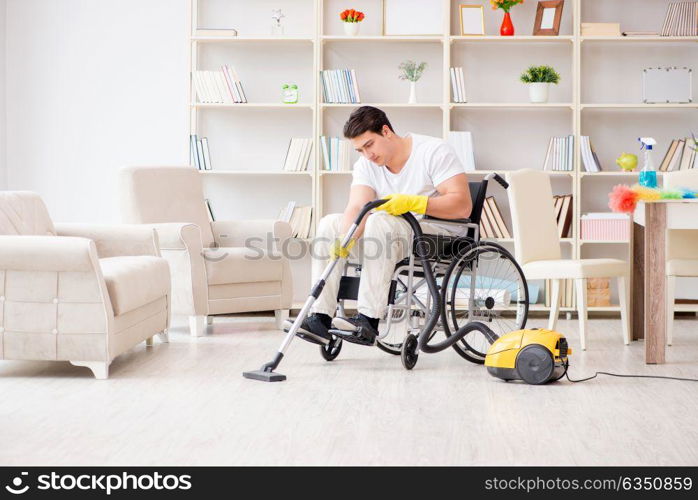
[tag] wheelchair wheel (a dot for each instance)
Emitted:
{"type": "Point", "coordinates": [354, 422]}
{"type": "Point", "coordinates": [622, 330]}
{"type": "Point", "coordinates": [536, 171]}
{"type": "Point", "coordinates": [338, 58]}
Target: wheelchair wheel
{"type": "Point", "coordinates": [499, 292]}
{"type": "Point", "coordinates": [409, 353]}
{"type": "Point", "coordinates": [330, 351]}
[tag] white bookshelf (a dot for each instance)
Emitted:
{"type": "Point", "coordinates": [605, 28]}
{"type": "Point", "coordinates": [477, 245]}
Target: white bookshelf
{"type": "Point", "coordinates": [599, 95]}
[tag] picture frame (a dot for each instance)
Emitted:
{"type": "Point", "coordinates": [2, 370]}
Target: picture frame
{"type": "Point", "coordinates": [548, 17]}
{"type": "Point", "coordinates": [472, 20]}
{"type": "Point", "coordinates": [399, 18]}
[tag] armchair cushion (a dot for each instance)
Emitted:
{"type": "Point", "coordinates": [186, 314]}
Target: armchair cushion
{"type": "Point", "coordinates": [133, 281]}
{"type": "Point", "coordinates": [241, 265]}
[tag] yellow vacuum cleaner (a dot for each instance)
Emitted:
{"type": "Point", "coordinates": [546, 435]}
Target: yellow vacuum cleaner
{"type": "Point", "coordinates": [535, 356]}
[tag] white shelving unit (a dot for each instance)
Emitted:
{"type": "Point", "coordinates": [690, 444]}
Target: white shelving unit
{"type": "Point", "coordinates": [599, 95]}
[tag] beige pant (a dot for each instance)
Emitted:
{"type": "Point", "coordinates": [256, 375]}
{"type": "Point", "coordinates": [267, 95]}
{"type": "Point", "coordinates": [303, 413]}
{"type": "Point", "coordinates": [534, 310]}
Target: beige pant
{"type": "Point", "coordinates": [386, 241]}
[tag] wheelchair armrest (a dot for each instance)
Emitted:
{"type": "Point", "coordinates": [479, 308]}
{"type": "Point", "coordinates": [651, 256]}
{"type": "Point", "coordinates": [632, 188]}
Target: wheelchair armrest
{"type": "Point", "coordinates": [454, 221]}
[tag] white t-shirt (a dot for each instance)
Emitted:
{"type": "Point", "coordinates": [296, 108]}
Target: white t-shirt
{"type": "Point", "coordinates": [431, 162]}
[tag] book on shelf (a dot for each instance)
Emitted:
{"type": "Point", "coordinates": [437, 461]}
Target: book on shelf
{"type": "Point", "coordinates": [491, 222]}
{"type": "Point", "coordinates": [680, 155]}
{"type": "Point", "coordinates": [681, 19]}
{"type": "Point", "coordinates": [218, 87]}
{"type": "Point", "coordinates": [638, 34]}
{"type": "Point", "coordinates": [336, 154]}
{"type": "Point", "coordinates": [590, 159]}
{"type": "Point", "coordinates": [462, 143]}
{"type": "Point", "coordinates": [600, 29]}
{"type": "Point", "coordinates": [199, 155]}
{"type": "Point", "coordinates": [209, 210]}
{"type": "Point", "coordinates": [298, 154]}
{"type": "Point", "coordinates": [563, 214]}
{"type": "Point", "coordinates": [299, 218]}
{"type": "Point", "coordinates": [457, 85]}
{"type": "Point", "coordinates": [339, 86]}
{"type": "Point", "coordinates": [560, 154]}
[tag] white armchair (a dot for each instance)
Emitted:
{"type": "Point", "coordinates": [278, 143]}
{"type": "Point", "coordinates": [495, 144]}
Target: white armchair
{"type": "Point", "coordinates": [77, 293]}
{"type": "Point", "coordinates": [214, 269]}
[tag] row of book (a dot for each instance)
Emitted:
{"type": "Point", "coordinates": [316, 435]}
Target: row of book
{"type": "Point", "coordinates": [340, 86]}
{"type": "Point", "coordinates": [563, 214]}
{"type": "Point", "coordinates": [299, 217]}
{"type": "Point", "coordinates": [458, 85]}
{"type": "Point", "coordinates": [680, 155]}
{"type": "Point", "coordinates": [491, 222]}
{"type": "Point", "coordinates": [219, 87]}
{"type": "Point", "coordinates": [560, 155]}
{"type": "Point", "coordinates": [590, 159]}
{"type": "Point", "coordinates": [462, 143]}
{"type": "Point", "coordinates": [298, 154]}
{"type": "Point", "coordinates": [681, 19]}
{"type": "Point", "coordinates": [199, 155]}
{"type": "Point", "coordinates": [336, 154]}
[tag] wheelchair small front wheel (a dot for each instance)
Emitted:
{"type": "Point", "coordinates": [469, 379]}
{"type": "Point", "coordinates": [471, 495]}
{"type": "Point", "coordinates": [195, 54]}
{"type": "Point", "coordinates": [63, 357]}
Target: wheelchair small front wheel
{"type": "Point", "coordinates": [330, 351]}
{"type": "Point", "coordinates": [409, 354]}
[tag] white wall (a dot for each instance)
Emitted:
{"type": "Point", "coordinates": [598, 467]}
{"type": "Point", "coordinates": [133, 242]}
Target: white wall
{"type": "Point", "coordinates": [3, 179]}
{"type": "Point", "coordinates": [91, 86]}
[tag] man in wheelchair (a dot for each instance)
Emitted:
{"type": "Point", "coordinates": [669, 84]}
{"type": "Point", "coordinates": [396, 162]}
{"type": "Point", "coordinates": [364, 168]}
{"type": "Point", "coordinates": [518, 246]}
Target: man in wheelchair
{"type": "Point", "coordinates": [418, 174]}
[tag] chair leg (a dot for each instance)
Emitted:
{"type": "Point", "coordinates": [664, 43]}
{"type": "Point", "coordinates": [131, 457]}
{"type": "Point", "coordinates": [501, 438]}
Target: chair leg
{"type": "Point", "coordinates": [280, 315]}
{"type": "Point", "coordinates": [197, 326]}
{"type": "Point", "coordinates": [670, 297]}
{"type": "Point", "coordinates": [581, 286]}
{"type": "Point", "coordinates": [100, 369]}
{"type": "Point", "coordinates": [623, 299]}
{"type": "Point", "coordinates": [554, 304]}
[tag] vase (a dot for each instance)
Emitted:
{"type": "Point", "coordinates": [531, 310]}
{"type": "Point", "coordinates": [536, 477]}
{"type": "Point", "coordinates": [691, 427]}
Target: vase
{"type": "Point", "coordinates": [507, 28]}
{"type": "Point", "coordinates": [351, 29]}
{"type": "Point", "coordinates": [538, 91]}
{"type": "Point", "coordinates": [413, 93]}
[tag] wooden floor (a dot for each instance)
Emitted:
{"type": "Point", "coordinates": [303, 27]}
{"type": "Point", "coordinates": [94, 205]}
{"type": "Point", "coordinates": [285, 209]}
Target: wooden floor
{"type": "Point", "coordinates": [186, 403]}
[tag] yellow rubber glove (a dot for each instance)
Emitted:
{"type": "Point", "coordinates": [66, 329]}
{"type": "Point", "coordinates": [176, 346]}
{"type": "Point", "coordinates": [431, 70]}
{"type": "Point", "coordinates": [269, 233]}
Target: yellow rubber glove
{"type": "Point", "coordinates": [336, 250]}
{"type": "Point", "coordinates": [398, 204]}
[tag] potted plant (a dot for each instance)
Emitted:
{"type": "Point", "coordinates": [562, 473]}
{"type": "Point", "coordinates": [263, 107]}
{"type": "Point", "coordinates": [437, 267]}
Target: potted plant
{"type": "Point", "coordinates": [412, 72]}
{"type": "Point", "coordinates": [507, 28]}
{"type": "Point", "coordinates": [539, 79]}
{"type": "Point", "coordinates": [351, 19]}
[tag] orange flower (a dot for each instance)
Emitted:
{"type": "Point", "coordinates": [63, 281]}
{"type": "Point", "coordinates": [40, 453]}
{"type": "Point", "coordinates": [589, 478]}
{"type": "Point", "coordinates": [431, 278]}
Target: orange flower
{"type": "Point", "coordinates": [343, 15]}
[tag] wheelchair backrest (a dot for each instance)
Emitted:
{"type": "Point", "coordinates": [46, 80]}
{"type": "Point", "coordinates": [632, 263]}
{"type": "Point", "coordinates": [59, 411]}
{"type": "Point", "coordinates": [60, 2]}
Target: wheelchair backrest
{"type": "Point", "coordinates": [478, 193]}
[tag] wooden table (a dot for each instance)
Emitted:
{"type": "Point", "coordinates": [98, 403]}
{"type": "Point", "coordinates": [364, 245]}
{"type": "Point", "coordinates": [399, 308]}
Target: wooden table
{"type": "Point", "coordinates": [649, 310]}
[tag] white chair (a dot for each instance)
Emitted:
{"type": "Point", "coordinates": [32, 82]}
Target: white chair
{"type": "Point", "coordinates": [537, 248]}
{"type": "Point", "coordinates": [681, 247]}
{"type": "Point", "coordinates": [73, 292]}
{"type": "Point", "coordinates": [213, 270]}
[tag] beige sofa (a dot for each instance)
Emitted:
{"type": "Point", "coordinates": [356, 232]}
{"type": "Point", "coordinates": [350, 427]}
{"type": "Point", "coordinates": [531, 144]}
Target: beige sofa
{"type": "Point", "coordinates": [213, 270]}
{"type": "Point", "coordinates": [77, 293]}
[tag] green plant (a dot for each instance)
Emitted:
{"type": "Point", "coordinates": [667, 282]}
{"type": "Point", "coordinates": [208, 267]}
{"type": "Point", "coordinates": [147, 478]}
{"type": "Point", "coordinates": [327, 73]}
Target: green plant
{"type": "Point", "coordinates": [540, 74]}
{"type": "Point", "coordinates": [694, 146]}
{"type": "Point", "coordinates": [411, 70]}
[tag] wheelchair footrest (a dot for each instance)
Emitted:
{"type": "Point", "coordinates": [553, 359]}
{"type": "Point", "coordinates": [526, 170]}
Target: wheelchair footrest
{"type": "Point", "coordinates": [353, 337]}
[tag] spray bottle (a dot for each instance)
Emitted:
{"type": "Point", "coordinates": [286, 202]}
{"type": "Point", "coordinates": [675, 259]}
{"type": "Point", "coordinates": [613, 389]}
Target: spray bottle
{"type": "Point", "coordinates": [648, 174]}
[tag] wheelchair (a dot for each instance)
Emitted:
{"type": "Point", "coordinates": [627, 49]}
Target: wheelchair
{"type": "Point", "coordinates": [478, 281]}
{"type": "Point", "coordinates": [471, 291]}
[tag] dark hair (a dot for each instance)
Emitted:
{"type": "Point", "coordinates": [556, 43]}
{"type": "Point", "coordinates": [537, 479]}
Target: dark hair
{"type": "Point", "coordinates": [364, 119]}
